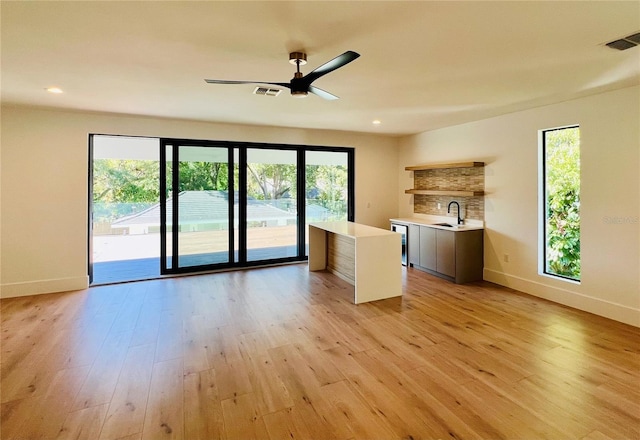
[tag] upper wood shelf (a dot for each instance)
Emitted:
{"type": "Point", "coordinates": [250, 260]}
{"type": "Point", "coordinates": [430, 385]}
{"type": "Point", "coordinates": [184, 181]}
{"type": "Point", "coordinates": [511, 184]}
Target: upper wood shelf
{"type": "Point", "coordinates": [434, 166]}
{"type": "Point", "coordinates": [430, 192]}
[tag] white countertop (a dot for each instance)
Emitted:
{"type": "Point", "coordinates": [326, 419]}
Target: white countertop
{"type": "Point", "coordinates": [351, 229]}
{"type": "Point", "coordinates": [470, 225]}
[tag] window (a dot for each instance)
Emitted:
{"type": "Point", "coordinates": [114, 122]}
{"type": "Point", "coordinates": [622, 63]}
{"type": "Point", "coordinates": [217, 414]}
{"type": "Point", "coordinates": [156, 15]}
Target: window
{"type": "Point", "coordinates": [561, 204]}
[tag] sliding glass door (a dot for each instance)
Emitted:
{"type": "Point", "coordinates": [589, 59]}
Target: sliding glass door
{"type": "Point", "coordinates": [167, 206]}
{"type": "Point", "coordinates": [228, 204]}
{"type": "Point", "coordinates": [124, 218]}
{"type": "Point", "coordinates": [197, 207]}
{"type": "Point", "coordinates": [271, 204]}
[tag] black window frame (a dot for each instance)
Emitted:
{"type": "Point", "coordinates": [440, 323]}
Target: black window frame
{"type": "Point", "coordinates": [544, 205]}
{"type": "Point", "coordinates": [242, 160]}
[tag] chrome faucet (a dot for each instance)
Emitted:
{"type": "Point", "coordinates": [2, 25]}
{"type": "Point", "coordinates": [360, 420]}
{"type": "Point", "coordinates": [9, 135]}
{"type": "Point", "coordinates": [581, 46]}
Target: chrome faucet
{"type": "Point", "coordinates": [449, 210]}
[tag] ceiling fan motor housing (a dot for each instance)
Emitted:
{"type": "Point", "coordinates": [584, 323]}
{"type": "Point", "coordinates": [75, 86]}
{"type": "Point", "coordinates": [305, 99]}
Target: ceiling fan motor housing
{"type": "Point", "coordinates": [299, 87]}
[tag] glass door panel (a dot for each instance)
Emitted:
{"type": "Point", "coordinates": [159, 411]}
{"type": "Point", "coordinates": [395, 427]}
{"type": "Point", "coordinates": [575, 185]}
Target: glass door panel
{"type": "Point", "coordinates": [196, 208]}
{"type": "Point", "coordinates": [203, 206]}
{"type": "Point", "coordinates": [124, 194]}
{"type": "Point", "coordinates": [327, 187]}
{"type": "Point", "coordinates": [271, 208]}
{"type": "Point", "coordinates": [167, 212]}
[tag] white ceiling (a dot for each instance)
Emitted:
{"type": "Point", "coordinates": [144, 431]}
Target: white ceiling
{"type": "Point", "coordinates": [423, 65]}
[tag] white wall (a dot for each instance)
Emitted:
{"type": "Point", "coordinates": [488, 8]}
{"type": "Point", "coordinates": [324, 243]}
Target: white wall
{"type": "Point", "coordinates": [44, 162]}
{"type": "Point", "coordinates": [610, 196]}
{"type": "Point", "coordinates": [43, 204]}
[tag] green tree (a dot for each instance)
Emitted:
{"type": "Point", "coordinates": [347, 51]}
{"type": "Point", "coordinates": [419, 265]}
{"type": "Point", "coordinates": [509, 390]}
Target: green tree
{"type": "Point", "coordinates": [270, 181]}
{"type": "Point", "coordinates": [327, 186]}
{"type": "Point", "coordinates": [203, 176]}
{"type": "Point", "coordinates": [562, 148]}
{"type": "Point", "coordinates": [125, 181]}
{"type": "Point", "coordinates": [331, 182]}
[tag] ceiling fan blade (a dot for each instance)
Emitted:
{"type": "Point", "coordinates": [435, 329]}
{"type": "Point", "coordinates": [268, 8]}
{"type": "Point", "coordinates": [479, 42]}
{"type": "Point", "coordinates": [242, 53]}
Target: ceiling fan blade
{"type": "Point", "coordinates": [322, 93]}
{"type": "Point", "coordinates": [330, 66]}
{"type": "Point", "coordinates": [222, 81]}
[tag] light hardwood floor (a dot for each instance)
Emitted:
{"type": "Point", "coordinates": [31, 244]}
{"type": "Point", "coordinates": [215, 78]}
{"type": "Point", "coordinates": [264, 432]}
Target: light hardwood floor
{"type": "Point", "coordinates": [281, 353]}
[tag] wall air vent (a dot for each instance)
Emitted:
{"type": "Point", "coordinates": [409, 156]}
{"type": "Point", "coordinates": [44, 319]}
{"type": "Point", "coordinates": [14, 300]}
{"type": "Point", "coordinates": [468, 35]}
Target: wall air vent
{"type": "Point", "coordinates": [625, 43]}
{"type": "Point", "coordinates": [266, 91]}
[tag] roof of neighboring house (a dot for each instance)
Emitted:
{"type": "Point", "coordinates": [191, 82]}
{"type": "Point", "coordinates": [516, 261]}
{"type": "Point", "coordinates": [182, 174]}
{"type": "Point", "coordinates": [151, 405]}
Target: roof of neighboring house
{"type": "Point", "coordinates": [205, 207]}
{"type": "Point", "coordinates": [316, 212]}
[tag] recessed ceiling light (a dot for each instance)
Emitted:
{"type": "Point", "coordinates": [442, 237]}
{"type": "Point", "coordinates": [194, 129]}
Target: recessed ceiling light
{"type": "Point", "coordinates": [56, 90]}
{"type": "Point", "coordinates": [376, 122]}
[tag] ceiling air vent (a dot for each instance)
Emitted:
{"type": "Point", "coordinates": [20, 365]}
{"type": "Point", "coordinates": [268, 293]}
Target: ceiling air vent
{"type": "Point", "coordinates": [266, 91]}
{"type": "Point", "coordinates": [635, 38]}
{"type": "Point", "coordinates": [626, 42]}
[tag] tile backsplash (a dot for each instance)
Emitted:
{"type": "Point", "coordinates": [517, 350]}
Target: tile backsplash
{"type": "Point", "coordinates": [451, 179]}
{"type": "Point", "coordinates": [472, 207]}
{"type": "Point", "coordinates": [455, 179]}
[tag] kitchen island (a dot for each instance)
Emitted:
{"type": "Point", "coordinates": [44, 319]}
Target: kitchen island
{"type": "Point", "coordinates": [369, 258]}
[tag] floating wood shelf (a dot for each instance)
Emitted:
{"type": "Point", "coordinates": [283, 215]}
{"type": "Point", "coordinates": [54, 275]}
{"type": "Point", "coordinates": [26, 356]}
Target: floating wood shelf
{"type": "Point", "coordinates": [434, 166]}
{"type": "Point", "coordinates": [430, 192]}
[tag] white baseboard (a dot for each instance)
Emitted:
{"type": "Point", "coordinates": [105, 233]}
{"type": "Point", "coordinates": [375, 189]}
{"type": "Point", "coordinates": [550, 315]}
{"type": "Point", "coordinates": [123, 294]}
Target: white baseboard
{"type": "Point", "coordinates": [12, 290]}
{"type": "Point", "coordinates": [607, 309]}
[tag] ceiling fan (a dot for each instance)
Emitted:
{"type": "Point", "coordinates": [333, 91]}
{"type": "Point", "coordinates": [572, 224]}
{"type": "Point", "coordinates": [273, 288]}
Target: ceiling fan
{"type": "Point", "coordinates": [300, 85]}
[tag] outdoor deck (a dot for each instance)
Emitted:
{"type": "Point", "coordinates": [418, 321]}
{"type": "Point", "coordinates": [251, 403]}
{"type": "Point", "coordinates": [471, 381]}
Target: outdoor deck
{"type": "Point", "coordinates": [108, 272]}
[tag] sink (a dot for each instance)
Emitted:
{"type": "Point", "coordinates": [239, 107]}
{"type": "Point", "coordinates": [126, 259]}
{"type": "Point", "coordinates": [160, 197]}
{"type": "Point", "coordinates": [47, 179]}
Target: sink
{"type": "Point", "coordinates": [448, 225]}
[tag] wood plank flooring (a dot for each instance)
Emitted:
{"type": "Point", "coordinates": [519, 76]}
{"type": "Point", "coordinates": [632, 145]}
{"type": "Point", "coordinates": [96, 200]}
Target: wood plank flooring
{"type": "Point", "coordinates": [281, 353]}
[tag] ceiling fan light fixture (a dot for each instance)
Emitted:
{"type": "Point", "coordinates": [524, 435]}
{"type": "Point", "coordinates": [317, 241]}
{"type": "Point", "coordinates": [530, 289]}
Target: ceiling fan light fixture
{"type": "Point", "coordinates": [299, 93]}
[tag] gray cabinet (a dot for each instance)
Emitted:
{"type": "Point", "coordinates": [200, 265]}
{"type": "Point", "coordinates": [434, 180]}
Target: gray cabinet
{"type": "Point", "coordinates": [445, 252]}
{"type": "Point", "coordinates": [469, 251]}
{"type": "Point", "coordinates": [428, 252]}
{"type": "Point", "coordinates": [414, 245]}
{"type": "Point", "coordinates": [454, 255]}
{"type": "Point", "coordinates": [422, 246]}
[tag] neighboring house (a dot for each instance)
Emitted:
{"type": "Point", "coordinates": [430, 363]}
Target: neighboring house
{"type": "Point", "coordinates": [208, 210]}
{"type": "Point", "coordinates": [317, 213]}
